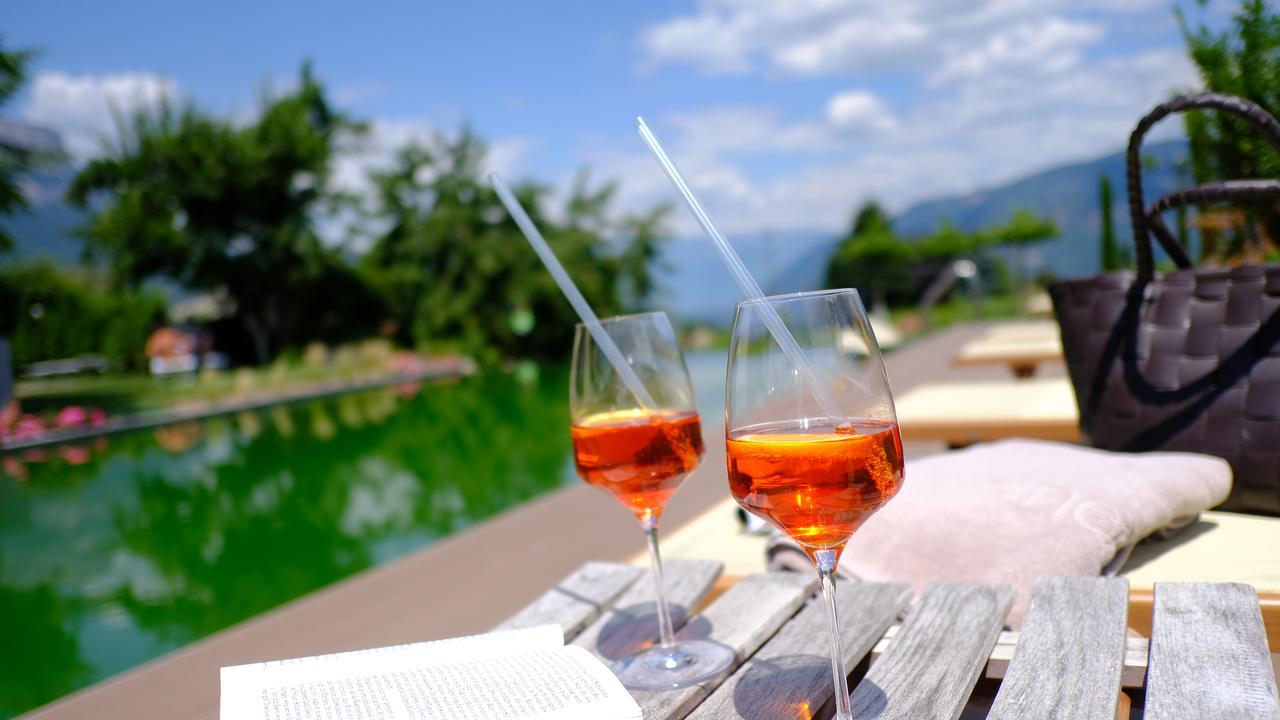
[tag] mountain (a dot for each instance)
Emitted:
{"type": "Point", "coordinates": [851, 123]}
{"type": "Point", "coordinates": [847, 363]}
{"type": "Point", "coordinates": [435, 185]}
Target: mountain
{"type": "Point", "coordinates": [1069, 195]}
{"type": "Point", "coordinates": [44, 231]}
{"type": "Point", "coordinates": [695, 285]}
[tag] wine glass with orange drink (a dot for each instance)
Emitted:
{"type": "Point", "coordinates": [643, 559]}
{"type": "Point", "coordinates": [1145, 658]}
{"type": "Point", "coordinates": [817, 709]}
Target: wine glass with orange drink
{"type": "Point", "coordinates": [639, 452]}
{"type": "Point", "coordinates": [814, 476]}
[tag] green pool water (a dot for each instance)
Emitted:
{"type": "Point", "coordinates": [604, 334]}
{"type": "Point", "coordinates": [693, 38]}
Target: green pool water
{"type": "Point", "coordinates": [117, 551]}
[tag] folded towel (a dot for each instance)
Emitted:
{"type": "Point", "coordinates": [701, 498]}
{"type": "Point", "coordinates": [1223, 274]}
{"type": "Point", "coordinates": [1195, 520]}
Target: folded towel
{"type": "Point", "coordinates": [1013, 511]}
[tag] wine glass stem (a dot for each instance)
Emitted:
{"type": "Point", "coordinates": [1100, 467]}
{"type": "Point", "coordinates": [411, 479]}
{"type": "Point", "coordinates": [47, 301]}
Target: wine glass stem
{"type": "Point", "coordinates": [665, 634]}
{"type": "Point", "coordinates": [826, 562]}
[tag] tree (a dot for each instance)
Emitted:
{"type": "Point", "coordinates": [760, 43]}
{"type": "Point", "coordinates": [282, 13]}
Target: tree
{"type": "Point", "coordinates": [1110, 256]}
{"type": "Point", "coordinates": [1242, 60]}
{"type": "Point", "coordinates": [56, 313]}
{"type": "Point", "coordinates": [891, 268]}
{"type": "Point", "coordinates": [217, 206]}
{"type": "Point", "coordinates": [872, 257]}
{"type": "Point", "coordinates": [14, 160]}
{"type": "Point", "coordinates": [454, 270]}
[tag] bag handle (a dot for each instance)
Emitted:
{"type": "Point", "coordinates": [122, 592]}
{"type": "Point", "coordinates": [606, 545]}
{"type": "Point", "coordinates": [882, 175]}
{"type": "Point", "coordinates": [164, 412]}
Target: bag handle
{"type": "Point", "coordinates": [1146, 222]}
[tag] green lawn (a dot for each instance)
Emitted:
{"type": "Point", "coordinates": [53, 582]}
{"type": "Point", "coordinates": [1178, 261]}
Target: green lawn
{"type": "Point", "coordinates": [121, 393]}
{"type": "Point", "coordinates": [958, 309]}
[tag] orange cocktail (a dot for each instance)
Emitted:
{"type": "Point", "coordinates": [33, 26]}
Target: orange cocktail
{"type": "Point", "coordinates": [639, 456]}
{"type": "Point", "coordinates": [817, 484]}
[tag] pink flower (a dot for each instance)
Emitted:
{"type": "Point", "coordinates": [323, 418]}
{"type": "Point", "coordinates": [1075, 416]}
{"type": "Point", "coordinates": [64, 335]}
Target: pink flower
{"type": "Point", "coordinates": [28, 426]}
{"type": "Point", "coordinates": [9, 415]}
{"type": "Point", "coordinates": [14, 468]}
{"type": "Point", "coordinates": [97, 417]}
{"type": "Point", "coordinates": [71, 416]}
{"type": "Point", "coordinates": [75, 454]}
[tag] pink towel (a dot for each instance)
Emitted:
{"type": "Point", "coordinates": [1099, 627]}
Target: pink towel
{"type": "Point", "coordinates": [1013, 511]}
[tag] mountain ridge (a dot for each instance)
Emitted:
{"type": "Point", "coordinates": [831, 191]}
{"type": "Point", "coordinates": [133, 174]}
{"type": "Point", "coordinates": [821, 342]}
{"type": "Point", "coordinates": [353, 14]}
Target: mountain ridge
{"type": "Point", "coordinates": [1067, 193]}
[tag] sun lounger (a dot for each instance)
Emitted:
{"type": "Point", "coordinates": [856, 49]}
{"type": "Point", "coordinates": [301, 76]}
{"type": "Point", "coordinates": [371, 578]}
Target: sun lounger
{"type": "Point", "coordinates": [1022, 330]}
{"type": "Point", "coordinates": [960, 413]}
{"type": "Point", "coordinates": [1023, 346]}
{"type": "Point", "coordinates": [1022, 355]}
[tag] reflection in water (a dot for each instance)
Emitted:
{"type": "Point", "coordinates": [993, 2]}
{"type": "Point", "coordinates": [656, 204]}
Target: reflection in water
{"type": "Point", "coordinates": [166, 536]}
{"type": "Point", "coordinates": [40, 659]}
{"type": "Point", "coordinates": [179, 437]}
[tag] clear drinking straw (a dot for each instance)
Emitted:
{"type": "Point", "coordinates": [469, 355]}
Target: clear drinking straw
{"type": "Point", "coordinates": [571, 293]}
{"type": "Point", "coordinates": [750, 288]}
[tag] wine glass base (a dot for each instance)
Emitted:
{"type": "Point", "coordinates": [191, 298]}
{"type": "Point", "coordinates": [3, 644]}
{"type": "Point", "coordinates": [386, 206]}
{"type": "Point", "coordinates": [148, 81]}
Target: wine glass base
{"type": "Point", "coordinates": [686, 663]}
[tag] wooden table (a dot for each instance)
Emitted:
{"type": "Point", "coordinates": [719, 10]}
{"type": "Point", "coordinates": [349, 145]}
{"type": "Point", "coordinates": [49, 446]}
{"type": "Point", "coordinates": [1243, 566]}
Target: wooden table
{"type": "Point", "coordinates": [1207, 658]}
{"type": "Point", "coordinates": [959, 413]}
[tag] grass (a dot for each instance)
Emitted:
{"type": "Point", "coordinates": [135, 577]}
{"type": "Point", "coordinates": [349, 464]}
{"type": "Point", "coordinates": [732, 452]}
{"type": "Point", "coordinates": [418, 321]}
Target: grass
{"type": "Point", "coordinates": [957, 310]}
{"type": "Point", "coordinates": [124, 393]}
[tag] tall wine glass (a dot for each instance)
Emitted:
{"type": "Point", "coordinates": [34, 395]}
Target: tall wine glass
{"type": "Point", "coordinates": [640, 456]}
{"type": "Point", "coordinates": [814, 477]}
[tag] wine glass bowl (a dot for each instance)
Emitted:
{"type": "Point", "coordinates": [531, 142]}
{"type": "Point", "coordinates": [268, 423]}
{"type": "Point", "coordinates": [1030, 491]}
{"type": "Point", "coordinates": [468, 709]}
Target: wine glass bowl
{"type": "Point", "coordinates": [812, 450]}
{"type": "Point", "coordinates": [639, 451]}
{"type": "Point", "coordinates": [639, 456]}
{"type": "Point", "coordinates": [815, 484]}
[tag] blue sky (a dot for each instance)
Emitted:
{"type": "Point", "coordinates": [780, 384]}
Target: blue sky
{"type": "Point", "coordinates": [784, 115]}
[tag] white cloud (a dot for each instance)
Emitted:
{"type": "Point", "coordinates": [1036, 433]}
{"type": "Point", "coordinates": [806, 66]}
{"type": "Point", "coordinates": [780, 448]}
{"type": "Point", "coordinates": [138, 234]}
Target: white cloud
{"type": "Point", "coordinates": [835, 36]}
{"type": "Point", "coordinates": [859, 110]}
{"type": "Point", "coordinates": [1047, 45]}
{"type": "Point", "coordinates": [993, 89]}
{"type": "Point", "coordinates": [375, 151]}
{"type": "Point", "coordinates": [988, 131]}
{"type": "Point", "coordinates": [83, 108]}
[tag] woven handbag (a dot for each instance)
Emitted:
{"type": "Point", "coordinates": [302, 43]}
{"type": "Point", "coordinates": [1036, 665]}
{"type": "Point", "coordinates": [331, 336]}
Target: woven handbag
{"type": "Point", "coordinates": [1187, 360]}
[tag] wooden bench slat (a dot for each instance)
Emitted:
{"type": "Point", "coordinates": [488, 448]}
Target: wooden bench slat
{"type": "Point", "coordinates": [792, 673]}
{"type": "Point", "coordinates": [1132, 675]}
{"type": "Point", "coordinates": [632, 623]}
{"type": "Point", "coordinates": [743, 618]}
{"type": "Point", "coordinates": [578, 599]}
{"type": "Point", "coordinates": [1070, 652]}
{"type": "Point", "coordinates": [1209, 656]}
{"type": "Point", "coordinates": [931, 667]}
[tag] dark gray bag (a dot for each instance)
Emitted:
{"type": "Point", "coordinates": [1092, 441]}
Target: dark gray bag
{"type": "Point", "coordinates": [1187, 360]}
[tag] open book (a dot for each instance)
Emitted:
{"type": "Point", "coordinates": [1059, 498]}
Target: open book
{"type": "Point", "coordinates": [508, 675]}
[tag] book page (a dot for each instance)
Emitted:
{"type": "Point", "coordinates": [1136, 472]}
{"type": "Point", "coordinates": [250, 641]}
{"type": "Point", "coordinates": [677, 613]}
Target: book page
{"type": "Point", "coordinates": [488, 645]}
{"type": "Point", "coordinates": [390, 684]}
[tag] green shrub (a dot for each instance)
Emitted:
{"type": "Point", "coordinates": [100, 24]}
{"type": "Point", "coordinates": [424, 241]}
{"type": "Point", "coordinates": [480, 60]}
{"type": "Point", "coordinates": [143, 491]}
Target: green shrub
{"type": "Point", "coordinates": [51, 313]}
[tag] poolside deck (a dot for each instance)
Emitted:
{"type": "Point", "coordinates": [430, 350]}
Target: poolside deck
{"type": "Point", "coordinates": [464, 584]}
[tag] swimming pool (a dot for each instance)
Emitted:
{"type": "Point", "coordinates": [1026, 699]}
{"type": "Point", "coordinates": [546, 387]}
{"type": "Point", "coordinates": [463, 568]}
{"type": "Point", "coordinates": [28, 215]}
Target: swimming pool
{"type": "Point", "coordinates": [115, 551]}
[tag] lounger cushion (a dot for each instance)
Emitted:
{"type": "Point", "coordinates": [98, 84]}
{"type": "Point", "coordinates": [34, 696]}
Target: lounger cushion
{"type": "Point", "coordinates": [1013, 511]}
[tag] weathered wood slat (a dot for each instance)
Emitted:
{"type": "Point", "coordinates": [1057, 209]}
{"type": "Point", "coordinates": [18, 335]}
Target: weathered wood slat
{"type": "Point", "coordinates": [742, 619]}
{"type": "Point", "coordinates": [578, 599]}
{"type": "Point", "coordinates": [632, 622]}
{"type": "Point", "coordinates": [1132, 675]}
{"type": "Point", "coordinates": [791, 675]}
{"type": "Point", "coordinates": [1209, 655]}
{"type": "Point", "coordinates": [933, 664]}
{"type": "Point", "coordinates": [1070, 652]}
